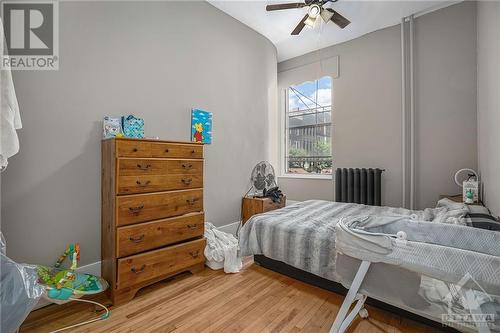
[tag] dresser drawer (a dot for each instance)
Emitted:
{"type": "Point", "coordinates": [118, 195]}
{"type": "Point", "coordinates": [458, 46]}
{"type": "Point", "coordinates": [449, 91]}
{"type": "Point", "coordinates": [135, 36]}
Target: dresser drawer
{"type": "Point", "coordinates": [185, 167]}
{"type": "Point", "coordinates": [139, 166]}
{"type": "Point", "coordinates": [136, 166]}
{"type": "Point", "coordinates": [268, 205]}
{"type": "Point", "coordinates": [147, 207]}
{"type": "Point", "coordinates": [157, 183]}
{"type": "Point", "coordinates": [133, 148]}
{"type": "Point", "coordinates": [172, 150]}
{"type": "Point", "coordinates": [150, 235]}
{"type": "Point", "coordinates": [153, 264]}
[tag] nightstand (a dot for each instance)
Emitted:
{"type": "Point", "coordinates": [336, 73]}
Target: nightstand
{"type": "Point", "coordinates": [459, 198]}
{"type": "Point", "coordinates": [255, 205]}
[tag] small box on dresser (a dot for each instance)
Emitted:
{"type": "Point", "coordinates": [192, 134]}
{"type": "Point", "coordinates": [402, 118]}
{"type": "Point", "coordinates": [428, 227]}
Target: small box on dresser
{"type": "Point", "coordinates": [152, 213]}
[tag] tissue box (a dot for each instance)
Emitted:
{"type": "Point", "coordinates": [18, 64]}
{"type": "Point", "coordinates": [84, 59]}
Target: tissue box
{"type": "Point", "coordinates": [471, 185]}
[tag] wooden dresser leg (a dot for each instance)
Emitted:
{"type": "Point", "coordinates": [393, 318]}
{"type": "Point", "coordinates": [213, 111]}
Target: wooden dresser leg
{"type": "Point", "coordinates": [123, 296]}
{"type": "Point", "coordinates": [197, 268]}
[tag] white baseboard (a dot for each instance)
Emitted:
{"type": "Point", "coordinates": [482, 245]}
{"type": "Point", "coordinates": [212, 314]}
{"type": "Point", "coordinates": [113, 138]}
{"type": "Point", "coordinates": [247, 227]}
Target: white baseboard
{"type": "Point", "coordinates": [94, 269]}
{"type": "Point", "coordinates": [230, 228]}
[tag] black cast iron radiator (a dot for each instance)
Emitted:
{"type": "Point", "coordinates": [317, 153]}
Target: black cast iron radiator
{"type": "Point", "coordinates": [358, 185]}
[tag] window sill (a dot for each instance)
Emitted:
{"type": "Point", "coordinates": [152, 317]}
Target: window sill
{"type": "Point", "coordinates": [305, 176]}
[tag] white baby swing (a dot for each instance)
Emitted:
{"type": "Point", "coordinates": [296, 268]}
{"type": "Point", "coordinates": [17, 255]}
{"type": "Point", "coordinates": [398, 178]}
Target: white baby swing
{"type": "Point", "coordinates": [465, 259]}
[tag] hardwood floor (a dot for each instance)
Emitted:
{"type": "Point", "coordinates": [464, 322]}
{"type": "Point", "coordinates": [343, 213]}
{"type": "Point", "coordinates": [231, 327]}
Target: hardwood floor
{"type": "Point", "coordinates": [254, 300]}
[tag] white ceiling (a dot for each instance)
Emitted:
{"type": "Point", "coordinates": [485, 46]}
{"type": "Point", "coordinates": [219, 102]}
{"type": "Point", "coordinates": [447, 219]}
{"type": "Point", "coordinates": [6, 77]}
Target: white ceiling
{"type": "Point", "coordinates": [365, 17]}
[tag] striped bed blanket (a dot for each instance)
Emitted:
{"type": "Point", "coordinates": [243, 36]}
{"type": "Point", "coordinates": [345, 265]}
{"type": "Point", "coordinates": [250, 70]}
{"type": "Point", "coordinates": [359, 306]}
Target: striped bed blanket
{"type": "Point", "coordinates": [303, 234]}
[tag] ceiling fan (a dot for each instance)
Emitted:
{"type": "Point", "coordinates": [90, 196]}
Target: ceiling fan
{"type": "Point", "coordinates": [315, 10]}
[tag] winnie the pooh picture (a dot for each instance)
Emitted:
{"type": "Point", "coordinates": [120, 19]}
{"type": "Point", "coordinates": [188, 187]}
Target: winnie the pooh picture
{"type": "Point", "coordinates": [198, 134]}
{"type": "Point", "coordinates": [201, 126]}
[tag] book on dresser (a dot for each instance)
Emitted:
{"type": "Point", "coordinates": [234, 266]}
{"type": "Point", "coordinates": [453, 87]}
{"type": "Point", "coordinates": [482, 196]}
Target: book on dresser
{"type": "Point", "coordinates": [152, 213]}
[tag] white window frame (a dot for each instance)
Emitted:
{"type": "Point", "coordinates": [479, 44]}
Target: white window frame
{"type": "Point", "coordinates": [283, 137]}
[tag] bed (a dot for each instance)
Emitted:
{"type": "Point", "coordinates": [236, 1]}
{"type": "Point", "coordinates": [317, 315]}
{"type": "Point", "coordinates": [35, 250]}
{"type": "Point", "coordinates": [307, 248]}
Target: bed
{"type": "Point", "coordinates": [302, 236]}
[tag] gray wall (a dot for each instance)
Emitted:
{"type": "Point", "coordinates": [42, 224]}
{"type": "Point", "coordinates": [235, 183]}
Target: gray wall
{"type": "Point", "coordinates": [367, 105]}
{"type": "Point", "coordinates": [153, 59]}
{"type": "Point", "coordinates": [488, 101]}
{"type": "Point", "coordinates": [302, 189]}
{"type": "Point", "coordinates": [445, 92]}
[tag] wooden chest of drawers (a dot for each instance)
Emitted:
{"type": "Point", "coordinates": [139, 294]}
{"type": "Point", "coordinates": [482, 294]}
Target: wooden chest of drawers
{"type": "Point", "coordinates": [152, 213]}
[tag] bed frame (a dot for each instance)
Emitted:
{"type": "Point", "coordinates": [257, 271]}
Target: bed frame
{"type": "Point", "coordinates": [298, 274]}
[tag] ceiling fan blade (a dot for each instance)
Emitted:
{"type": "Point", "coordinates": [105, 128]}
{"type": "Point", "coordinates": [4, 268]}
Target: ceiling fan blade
{"type": "Point", "coordinates": [285, 6]}
{"type": "Point", "coordinates": [338, 19]}
{"type": "Point", "coordinates": [300, 26]}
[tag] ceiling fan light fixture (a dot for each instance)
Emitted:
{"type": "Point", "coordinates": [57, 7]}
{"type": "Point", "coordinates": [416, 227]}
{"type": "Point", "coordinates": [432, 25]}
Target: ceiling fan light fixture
{"type": "Point", "coordinates": [310, 22]}
{"type": "Point", "coordinates": [326, 15]}
{"type": "Point", "coordinates": [314, 11]}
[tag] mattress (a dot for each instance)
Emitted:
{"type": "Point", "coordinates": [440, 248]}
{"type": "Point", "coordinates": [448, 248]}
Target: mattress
{"type": "Point", "coordinates": [303, 234]}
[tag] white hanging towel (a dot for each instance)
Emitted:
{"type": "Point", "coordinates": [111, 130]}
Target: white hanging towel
{"type": "Point", "coordinates": [10, 119]}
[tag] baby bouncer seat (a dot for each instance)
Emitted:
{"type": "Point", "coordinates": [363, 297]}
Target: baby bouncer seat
{"type": "Point", "coordinates": [22, 286]}
{"type": "Point", "coordinates": [445, 272]}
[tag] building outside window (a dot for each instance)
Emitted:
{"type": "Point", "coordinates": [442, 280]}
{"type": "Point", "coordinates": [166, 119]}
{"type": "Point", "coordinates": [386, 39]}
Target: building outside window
{"type": "Point", "coordinates": [308, 120]}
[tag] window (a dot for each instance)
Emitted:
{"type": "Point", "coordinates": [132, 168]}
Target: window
{"type": "Point", "coordinates": [308, 147]}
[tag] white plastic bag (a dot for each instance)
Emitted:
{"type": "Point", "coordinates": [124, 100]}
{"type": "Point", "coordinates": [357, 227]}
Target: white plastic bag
{"type": "Point", "coordinates": [222, 248]}
{"type": "Point", "coordinates": [19, 291]}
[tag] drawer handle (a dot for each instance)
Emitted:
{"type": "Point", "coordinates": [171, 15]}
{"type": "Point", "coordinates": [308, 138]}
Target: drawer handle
{"type": "Point", "coordinates": [192, 226]}
{"type": "Point", "coordinates": [140, 270]}
{"type": "Point", "coordinates": [145, 167]}
{"type": "Point", "coordinates": [187, 166]}
{"type": "Point", "coordinates": [193, 151]}
{"type": "Point", "coordinates": [137, 239]}
{"type": "Point", "coordinates": [186, 181]}
{"type": "Point", "coordinates": [135, 150]}
{"type": "Point", "coordinates": [191, 201]}
{"type": "Point", "coordinates": [166, 150]}
{"type": "Point", "coordinates": [195, 254]}
{"type": "Point", "coordinates": [136, 210]}
{"type": "Point", "coordinates": [146, 183]}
